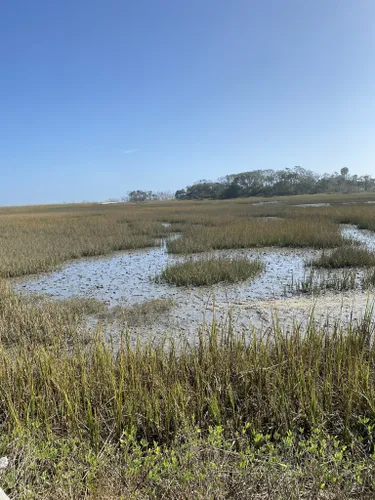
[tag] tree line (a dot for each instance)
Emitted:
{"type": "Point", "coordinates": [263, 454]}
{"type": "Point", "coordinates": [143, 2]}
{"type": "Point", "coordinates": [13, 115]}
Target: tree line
{"type": "Point", "coordinates": [290, 181]}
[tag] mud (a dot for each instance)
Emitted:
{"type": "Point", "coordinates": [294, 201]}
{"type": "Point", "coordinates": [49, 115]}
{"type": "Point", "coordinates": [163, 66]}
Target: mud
{"type": "Point", "coordinates": [128, 278]}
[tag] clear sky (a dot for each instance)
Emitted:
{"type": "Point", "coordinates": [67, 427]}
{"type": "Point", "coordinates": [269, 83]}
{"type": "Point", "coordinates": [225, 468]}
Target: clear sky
{"type": "Point", "coordinates": [99, 97]}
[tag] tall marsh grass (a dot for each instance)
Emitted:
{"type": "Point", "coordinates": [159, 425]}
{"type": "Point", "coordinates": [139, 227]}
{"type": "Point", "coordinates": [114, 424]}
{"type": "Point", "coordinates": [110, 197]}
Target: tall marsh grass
{"type": "Point", "coordinates": [255, 232]}
{"type": "Point", "coordinates": [32, 244]}
{"type": "Point", "coordinates": [278, 381]}
{"type": "Point", "coordinates": [315, 283]}
{"type": "Point", "coordinates": [83, 417]}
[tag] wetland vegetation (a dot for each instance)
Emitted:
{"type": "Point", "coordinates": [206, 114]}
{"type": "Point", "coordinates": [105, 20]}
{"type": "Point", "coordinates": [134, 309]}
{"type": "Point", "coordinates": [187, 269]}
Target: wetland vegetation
{"type": "Point", "coordinates": [278, 412]}
{"type": "Point", "coordinates": [345, 256]}
{"type": "Point", "coordinates": [208, 271]}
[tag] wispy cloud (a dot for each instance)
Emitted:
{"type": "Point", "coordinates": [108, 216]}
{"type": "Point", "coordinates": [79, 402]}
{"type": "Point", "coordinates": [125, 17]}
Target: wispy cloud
{"type": "Point", "coordinates": [130, 151]}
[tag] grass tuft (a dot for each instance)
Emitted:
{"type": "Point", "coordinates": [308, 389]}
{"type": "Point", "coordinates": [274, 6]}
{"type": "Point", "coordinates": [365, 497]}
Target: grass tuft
{"type": "Point", "coordinates": [346, 256]}
{"type": "Point", "coordinates": [211, 270]}
{"type": "Point", "coordinates": [316, 283]}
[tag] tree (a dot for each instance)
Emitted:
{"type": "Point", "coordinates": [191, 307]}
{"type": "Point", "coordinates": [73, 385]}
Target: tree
{"type": "Point", "coordinates": [289, 181]}
{"type": "Point", "coordinates": [180, 194]}
{"type": "Point", "coordinates": [137, 196]}
{"type": "Point", "coordinates": [344, 172]}
{"type": "Point", "coordinates": [163, 195]}
{"type": "Point", "coordinates": [204, 190]}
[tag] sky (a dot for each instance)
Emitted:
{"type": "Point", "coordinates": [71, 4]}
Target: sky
{"type": "Point", "coordinates": [100, 97]}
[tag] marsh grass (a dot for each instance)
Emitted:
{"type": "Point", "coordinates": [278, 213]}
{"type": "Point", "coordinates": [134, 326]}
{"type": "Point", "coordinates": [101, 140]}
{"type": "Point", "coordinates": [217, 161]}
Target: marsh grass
{"type": "Point", "coordinates": [38, 244]}
{"type": "Point", "coordinates": [255, 232]}
{"type": "Point", "coordinates": [144, 313]}
{"type": "Point", "coordinates": [38, 320]}
{"type": "Point", "coordinates": [266, 414]}
{"type": "Point", "coordinates": [211, 270]}
{"type": "Point", "coordinates": [81, 420]}
{"type": "Point", "coordinates": [368, 279]}
{"type": "Point", "coordinates": [316, 283]}
{"type": "Point", "coordinates": [346, 256]}
{"type": "Point", "coordinates": [276, 381]}
{"type": "Point", "coordinates": [38, 239]}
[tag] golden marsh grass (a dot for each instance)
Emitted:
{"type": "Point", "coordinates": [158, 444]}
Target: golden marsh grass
{"type": "Point", "coordinates": [264, 414]}
{"type": "Point", "coordinates": [37, 239]}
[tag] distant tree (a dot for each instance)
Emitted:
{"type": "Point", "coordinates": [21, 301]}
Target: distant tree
{"type": "Point", "coordinates": [203, 190]}
{"type": "Point", "coordinates": [180, 194]}
{"type": "Point", "coordinates": [231, 190]}
{"type": "Point", "coordinates": [163, 195]}
{"type": "Point", "coordinates": [344, 172]}
{"type": "Point", "coordinates": [138, 196]}
{"type": "Point", "coordinates": [289, 181]}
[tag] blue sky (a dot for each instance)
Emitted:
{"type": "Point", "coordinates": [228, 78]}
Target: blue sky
{"type": "Point", "coordinates": [101, 97]}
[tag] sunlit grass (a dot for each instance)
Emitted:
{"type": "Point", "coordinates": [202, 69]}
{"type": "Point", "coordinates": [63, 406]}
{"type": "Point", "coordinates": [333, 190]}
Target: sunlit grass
{"type": "Point", "coordinates": [38, 239]}
{"type": "Point", "coordinates": [144, 313]}
{"type": "Point", "coordinates": [256, 232]}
